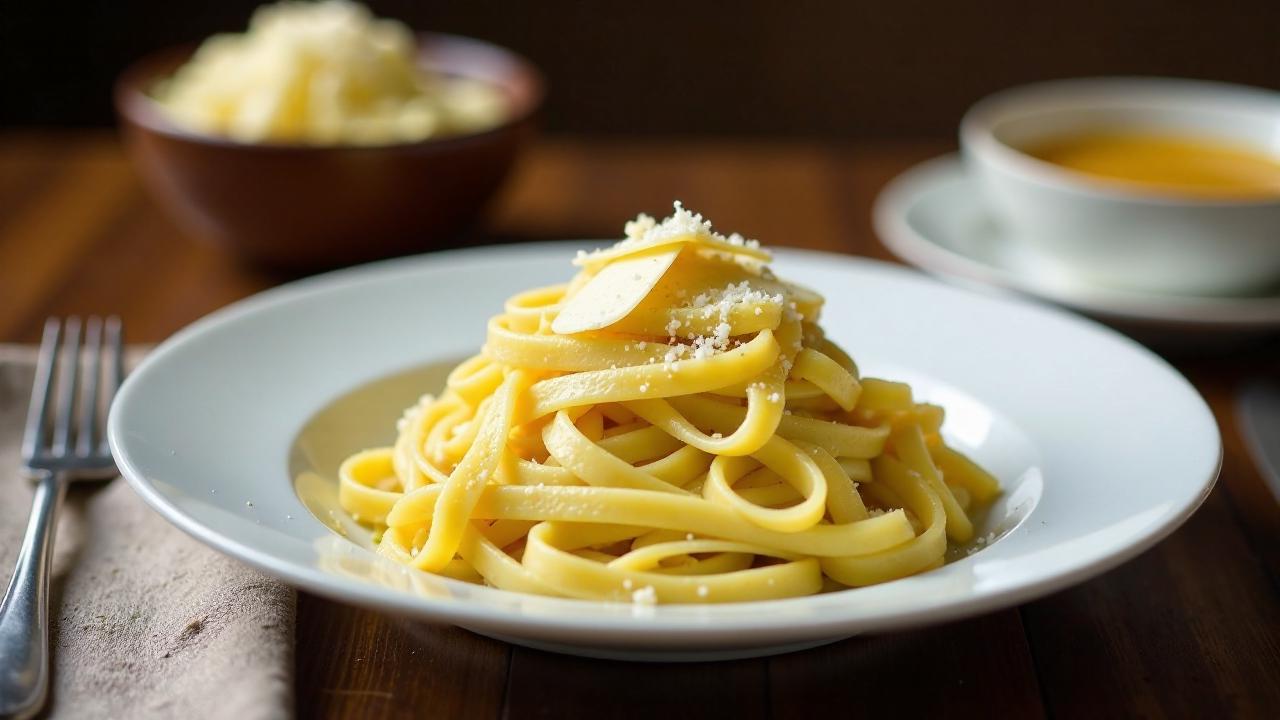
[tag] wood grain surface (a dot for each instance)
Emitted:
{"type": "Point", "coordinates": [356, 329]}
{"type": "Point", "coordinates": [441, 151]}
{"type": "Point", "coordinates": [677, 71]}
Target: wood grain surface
{"type": "Point", "coordinates": [1189, 629]}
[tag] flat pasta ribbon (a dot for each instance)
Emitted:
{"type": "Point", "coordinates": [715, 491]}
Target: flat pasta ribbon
{"type": "Point", "coordinates": [703, 441]}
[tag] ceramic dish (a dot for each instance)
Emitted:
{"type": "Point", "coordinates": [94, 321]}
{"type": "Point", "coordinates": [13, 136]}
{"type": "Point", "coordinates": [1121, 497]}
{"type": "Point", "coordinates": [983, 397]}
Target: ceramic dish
{"type": "Point", "coordinates": [230, 430]}
{"type": "Point", "coordinates": [933, 216]}
{"type": "Point", "coordinates": [1120, 235]}
{"type": "Point", "coordinates": [296, 206]}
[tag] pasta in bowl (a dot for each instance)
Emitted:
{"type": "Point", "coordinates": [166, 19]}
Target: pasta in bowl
{"type": "Point", "coordinates": [670, 426]}
{"type": "Point", "coordinates": [291, 382]}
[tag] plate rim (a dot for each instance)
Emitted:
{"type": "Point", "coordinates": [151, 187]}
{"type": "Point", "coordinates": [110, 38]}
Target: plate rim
{"type": "Point", "coordinates": [907, 191]}
{"type": "Point", "coordinates": [691, 631]}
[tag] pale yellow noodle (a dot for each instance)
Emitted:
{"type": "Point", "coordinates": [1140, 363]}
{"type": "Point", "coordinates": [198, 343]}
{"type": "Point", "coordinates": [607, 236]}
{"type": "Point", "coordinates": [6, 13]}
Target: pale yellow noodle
{"type": "Point", "coordinates": [709, 444]}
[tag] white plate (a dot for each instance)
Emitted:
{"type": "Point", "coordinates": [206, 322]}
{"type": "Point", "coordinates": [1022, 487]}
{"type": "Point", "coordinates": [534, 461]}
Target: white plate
{"type": "Point", "coordinates": [1101, 447]}
{"type": "Point", "coordinates": [932, 216]}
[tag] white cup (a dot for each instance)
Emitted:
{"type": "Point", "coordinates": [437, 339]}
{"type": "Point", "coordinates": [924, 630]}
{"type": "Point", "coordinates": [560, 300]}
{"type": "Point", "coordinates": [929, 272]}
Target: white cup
{"type": "Point", "coordinates": [1111, 234]}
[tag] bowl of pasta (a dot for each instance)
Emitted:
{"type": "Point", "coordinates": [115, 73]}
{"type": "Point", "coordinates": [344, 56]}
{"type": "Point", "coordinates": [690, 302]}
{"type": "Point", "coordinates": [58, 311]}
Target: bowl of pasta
{"type": "Point", "coordinates": [323, 136]}
{"type": "Point", "coordinates": [681, 446]}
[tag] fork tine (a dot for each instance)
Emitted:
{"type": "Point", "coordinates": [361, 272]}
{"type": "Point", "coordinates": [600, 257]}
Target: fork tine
{"type": "Point", "coordinates": [87, 431]}
{"type": "Point", "coordinates": [68, 382]}
{"type": "Point", "coordinates": [115, 366]}
{"type": "Point", "coordinates": [37, 412]}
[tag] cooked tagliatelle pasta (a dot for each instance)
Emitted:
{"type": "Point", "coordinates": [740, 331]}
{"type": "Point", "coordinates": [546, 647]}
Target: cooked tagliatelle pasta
{"type": "Point", "coordinates": [670, 426]}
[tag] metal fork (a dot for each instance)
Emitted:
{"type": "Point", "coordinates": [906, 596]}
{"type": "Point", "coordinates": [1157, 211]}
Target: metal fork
{"type": "Point", "coordinates": [64, 442]}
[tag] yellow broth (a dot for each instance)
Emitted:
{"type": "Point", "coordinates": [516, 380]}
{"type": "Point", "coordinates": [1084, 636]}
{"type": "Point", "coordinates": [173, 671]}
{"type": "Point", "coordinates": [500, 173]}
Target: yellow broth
{"type": "Point", "coordinates": [1182, 165]}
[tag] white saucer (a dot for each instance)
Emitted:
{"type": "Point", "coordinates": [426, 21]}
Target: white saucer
{"type": "Point", "coordinates": [932, 216]}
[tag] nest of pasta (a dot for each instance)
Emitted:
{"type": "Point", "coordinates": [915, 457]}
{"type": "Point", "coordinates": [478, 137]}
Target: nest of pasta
{"type": "Point", "coordinates": [672, 425]}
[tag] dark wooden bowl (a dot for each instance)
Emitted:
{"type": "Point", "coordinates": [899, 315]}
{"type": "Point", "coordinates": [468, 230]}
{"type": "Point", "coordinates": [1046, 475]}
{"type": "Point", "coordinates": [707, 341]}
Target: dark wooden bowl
{"type": "Point", "coordinates": [301, 207]}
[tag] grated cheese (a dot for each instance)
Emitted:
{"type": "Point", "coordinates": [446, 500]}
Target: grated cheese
{"type": "Point", "coordinates": [682, 222]}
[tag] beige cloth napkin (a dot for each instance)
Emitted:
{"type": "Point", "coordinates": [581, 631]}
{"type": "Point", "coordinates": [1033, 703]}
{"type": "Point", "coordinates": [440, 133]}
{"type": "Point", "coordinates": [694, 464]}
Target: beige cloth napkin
{"type": "Point", "coordinates": [147, 622]}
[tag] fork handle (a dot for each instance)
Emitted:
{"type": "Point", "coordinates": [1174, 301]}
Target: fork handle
{"type": "Point", "coordinates": [24, 615]}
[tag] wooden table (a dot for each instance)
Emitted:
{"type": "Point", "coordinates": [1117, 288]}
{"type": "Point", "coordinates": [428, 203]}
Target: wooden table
{"type": "Point", "coordinates": [1189, 629]}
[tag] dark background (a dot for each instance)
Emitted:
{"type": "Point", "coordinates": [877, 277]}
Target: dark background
{"type": "Point", "coordinates": [803, 69]}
